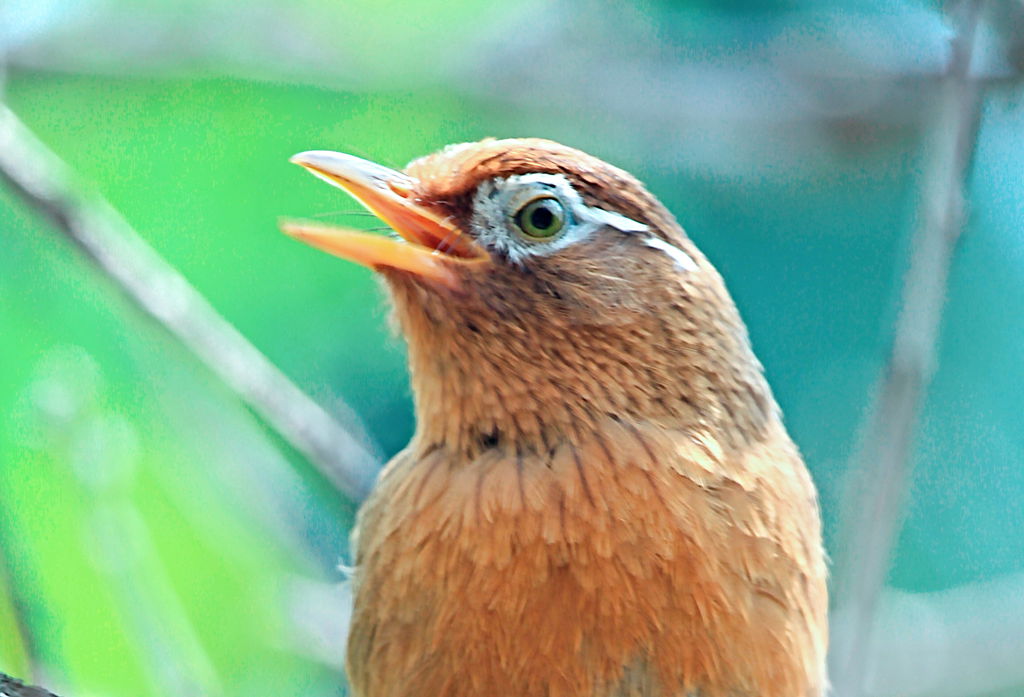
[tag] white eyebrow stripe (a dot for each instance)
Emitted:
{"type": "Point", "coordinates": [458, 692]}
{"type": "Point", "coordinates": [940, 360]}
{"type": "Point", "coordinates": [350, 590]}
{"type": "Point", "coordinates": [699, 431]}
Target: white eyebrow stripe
{"type": "Point", "coordinates": [612, 219]}
{"type": "Point", "coordinates": [682, 259]}
{"type": "Point", "coordinates": [553, 180]}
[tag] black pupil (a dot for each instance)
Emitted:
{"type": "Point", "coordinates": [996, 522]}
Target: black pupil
{"type": "Point", "coordinates": [541, 217]}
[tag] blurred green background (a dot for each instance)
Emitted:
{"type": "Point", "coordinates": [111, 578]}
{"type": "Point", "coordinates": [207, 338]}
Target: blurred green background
{"type": "Point", "coordinates": [159, 539]}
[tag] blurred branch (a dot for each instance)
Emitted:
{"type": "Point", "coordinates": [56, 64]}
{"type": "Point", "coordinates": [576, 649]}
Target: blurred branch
{"type": "Point", "coordinates": [962, 641]}
{"type": "Point", "coordinates": [46, 183]}
{"type": "Point", "coordinates": [174, 660]}
{"type": "Point", "coordinates": [321, 614]}
{"type": "Point", "coordinates": [9, 687]}
{"type": "Point", "coordinates": [18, 646]}
{"type": "Point", "coordinates": [877, 502]}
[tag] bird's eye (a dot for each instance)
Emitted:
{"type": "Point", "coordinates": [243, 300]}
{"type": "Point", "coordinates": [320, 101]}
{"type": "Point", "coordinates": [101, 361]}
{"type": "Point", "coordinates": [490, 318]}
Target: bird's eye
{"type": "Point", "coordinates": [541, 218]}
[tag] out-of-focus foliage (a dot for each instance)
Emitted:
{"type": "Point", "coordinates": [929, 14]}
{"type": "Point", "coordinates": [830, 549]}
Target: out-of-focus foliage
{"type": "Point", "coordinates": [155, 533]}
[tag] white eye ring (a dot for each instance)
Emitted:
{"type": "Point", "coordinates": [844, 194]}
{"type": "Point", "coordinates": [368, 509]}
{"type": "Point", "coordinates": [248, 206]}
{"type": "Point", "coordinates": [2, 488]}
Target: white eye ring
{"type": "Point", "coordinates": [496, 223]}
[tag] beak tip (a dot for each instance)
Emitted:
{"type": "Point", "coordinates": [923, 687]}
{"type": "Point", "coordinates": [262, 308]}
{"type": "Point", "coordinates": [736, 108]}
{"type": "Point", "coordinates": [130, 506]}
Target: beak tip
{"type": "Point", "coordinates": [301, 159]}
{"type": "Point", "coordinates": [292, 229]}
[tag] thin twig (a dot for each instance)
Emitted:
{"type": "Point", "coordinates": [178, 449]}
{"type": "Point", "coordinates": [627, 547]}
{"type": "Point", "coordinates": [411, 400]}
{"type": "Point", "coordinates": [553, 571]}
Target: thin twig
{"type": "Point", "coordinates": [9, 687]}
{"type": "Point", "coordinates": [24, 642]}
{"type": "Point", "coordinates": [886, 461]}
{"type": "Point", "coordinates": [46, 183]}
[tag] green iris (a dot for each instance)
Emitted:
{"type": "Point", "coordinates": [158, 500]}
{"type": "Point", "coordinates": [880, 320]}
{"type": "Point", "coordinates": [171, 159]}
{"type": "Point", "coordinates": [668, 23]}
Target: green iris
{"type": "Point", "coordinates": [541, 218]}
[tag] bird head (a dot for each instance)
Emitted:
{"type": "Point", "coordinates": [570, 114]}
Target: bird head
{"type": "Point", "coordinates": [541, 291]}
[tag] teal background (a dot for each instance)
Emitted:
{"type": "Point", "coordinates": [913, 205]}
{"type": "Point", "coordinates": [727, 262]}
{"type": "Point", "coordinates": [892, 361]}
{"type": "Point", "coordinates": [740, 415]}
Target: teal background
{"type": "Point", "coordinates": [153, 529]}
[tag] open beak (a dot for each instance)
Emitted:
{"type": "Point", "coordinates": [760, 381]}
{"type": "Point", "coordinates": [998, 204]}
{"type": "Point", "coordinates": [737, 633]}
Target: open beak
{"type": "Point", "coordinates": [431, 245]}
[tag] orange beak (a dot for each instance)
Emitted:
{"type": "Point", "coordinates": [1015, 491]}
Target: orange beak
{"type": "Point", "coordinates": [430, 247]}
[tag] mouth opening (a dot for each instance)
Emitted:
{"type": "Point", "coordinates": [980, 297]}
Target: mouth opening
{"type": "Point", "coordinates": [432, 245]}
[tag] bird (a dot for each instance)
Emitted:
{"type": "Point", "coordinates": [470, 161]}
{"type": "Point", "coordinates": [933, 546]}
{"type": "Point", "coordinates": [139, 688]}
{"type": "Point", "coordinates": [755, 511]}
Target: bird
{"type": "Point", "coordinates": [600, 498]}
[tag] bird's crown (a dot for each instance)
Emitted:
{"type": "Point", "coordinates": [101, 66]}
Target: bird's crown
{"type": "Point", "coordinates": [454, 174]}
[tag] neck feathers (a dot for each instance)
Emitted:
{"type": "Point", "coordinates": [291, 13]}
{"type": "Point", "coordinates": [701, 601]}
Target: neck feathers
{"type": "Point", "coordinates": [484, 379]}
